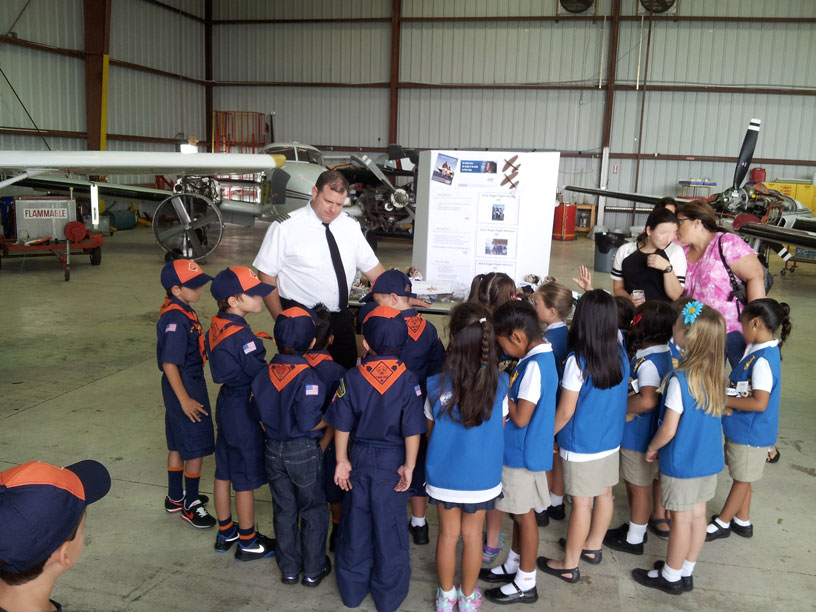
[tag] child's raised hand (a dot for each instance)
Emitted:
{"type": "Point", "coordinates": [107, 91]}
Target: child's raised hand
{"type": "Point", "coordinates": [584, 280]}
{"type": "Point", "coordinates": [405, 474]}
{"type": "Point", "coordinates": [341, 475]}
{"type": "Point", "coordinates": [192, 409]}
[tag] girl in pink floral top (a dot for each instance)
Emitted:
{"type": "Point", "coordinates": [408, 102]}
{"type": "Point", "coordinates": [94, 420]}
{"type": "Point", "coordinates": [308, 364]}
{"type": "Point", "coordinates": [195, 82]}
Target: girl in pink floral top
{"type": "Point", "coordinates": [706, 277]}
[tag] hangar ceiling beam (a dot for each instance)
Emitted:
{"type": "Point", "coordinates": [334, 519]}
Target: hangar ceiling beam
{"type": "Point", "coordinates": [393, 98]}
{"type": "Point", "coordinates": [208, 73]}
{"type": "Point", "coordinates": [610, 74]}
{"type": "Point", "coordinates": [96, 17]}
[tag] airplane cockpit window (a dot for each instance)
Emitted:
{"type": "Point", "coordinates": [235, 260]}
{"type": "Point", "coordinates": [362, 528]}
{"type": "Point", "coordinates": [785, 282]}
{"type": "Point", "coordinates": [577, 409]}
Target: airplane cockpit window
{"type": "Point", "coordinates": [309, 155]}
{"type": "Point", "coordinates": [287, 152]}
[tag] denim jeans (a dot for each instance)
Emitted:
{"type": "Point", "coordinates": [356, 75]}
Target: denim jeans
{"type": "Point", "coordinates": [294, 469]}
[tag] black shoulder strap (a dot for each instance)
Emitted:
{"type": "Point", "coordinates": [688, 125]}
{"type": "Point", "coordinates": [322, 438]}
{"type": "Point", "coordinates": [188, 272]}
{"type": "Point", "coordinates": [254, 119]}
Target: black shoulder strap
{"type": "Point", "coordinates": [735, 285]}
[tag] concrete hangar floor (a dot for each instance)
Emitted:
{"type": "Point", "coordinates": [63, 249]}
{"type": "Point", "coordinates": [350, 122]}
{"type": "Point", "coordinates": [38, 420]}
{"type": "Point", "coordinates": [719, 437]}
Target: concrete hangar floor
{"type": "Point", "coordinates": [78, 379]}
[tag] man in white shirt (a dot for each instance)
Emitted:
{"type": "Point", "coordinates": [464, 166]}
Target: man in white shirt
{"type": "Point", "coordinates": [312, 257]}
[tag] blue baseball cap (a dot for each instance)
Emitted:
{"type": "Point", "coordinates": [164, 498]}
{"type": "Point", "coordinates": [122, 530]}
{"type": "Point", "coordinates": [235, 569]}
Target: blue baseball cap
{"type": "Point", "coordinates": [41, 504]}
{"type": "Point", "coordinates": [237, 280]}
{"type": "Point", "coordinates": [295, 329]}
{"type": "Point", "coordinates": [390, 281]}
{"type": "Point", "coordinates": [385, 330]}
{"type": "Point", "coordinates": [184, 272]}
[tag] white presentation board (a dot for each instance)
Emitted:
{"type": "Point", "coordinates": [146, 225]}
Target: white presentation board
{"type": "Point", "coordinates": [483, 211]}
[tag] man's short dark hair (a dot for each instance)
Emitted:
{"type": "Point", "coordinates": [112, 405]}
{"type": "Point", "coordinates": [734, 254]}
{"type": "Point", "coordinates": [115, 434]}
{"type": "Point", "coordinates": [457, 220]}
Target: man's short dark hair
{"type": "Point", "coordinates": [334, 179]}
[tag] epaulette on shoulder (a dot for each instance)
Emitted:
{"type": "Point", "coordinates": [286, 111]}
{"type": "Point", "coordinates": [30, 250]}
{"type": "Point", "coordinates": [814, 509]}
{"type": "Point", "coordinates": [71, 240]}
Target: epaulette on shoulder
{"type": "Point", "coordinates": [280, 218]}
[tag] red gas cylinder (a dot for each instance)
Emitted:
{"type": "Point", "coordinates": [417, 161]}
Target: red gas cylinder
{"type": "Point", "coordinates": [757, 175]}
{"type": "Point", "coordinates": [564, 223]}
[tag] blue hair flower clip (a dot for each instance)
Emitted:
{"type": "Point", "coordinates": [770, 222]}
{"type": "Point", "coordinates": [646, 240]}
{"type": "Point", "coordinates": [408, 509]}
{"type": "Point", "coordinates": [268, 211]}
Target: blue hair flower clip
{"type": "Point", "coordinates": [691, 311]}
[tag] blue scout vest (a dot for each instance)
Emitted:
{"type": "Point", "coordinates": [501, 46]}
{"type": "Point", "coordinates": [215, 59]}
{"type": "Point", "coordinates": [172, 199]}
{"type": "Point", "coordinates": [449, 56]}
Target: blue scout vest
{"type": "Point", "coordinates": [756, 428]}
{"type": "Point", "coordinates": [464, 459]}
{"type": "Point", "coordinates": [696, 449]}
{"type": "Point", "coordinates": [597, 424]}
{"type": "Point", "coordinates": [676, 355]}
{"type": "Point", "coordinates": [529, 446]}
{"type": "Point", "coordinates": [638, 432]}
{"type": "Point", "coordinates": [557, 337]}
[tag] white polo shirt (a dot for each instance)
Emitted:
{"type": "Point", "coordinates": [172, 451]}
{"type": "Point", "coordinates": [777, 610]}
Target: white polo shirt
{"type": "Point", "coordinates": [297, 253]}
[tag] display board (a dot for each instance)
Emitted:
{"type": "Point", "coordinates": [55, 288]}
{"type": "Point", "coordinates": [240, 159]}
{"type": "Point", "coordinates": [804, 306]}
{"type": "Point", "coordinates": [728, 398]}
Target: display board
{"type": "Point", "coordinates": [483, 211]}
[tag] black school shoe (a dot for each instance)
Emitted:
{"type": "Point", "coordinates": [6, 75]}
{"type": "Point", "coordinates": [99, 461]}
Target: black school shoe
{"type": "Point", "coordinates": [641, 576]}
{"type": "Point", "coordinates": [557, 513]}
{"type": "Point", "coordinates": [542, 518]}
{"type": "Point", "coordinates": [488, 575]}
{"type": "Point", "coordinates": [496, 596]}
{"type": "Point", "coordinates": [688, 581]}
{"type": "Point", "coordinates": [616, 540]}
{"type": "Point", "coordinates": [420, 533]}
{"type": "Point", "coordinates": [316, 580]}
{"type": "Point", "coordinates": [261, 548]}
{"type": "Point", "coordinates": [720, 533]}
{"type": "Point", "coordinates": [290, 579]}
{"type": "Point", "coordinates": [745, 532]}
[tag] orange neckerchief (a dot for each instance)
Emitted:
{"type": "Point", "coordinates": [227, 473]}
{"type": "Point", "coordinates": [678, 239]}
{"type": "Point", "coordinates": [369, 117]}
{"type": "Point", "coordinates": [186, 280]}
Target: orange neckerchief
{"type": "Point", "coordinates": [315, 358]}
{"type": "Point", "coordinates": [221, 328]}
{"type": "Point", "coordinates": [170, 305]}
{"type": "Point", "coordinates": [281, 374]}
{"type": "Point", "coordinates": [381, 373]}
{"type": "Point", "coordinates": [416, 325]}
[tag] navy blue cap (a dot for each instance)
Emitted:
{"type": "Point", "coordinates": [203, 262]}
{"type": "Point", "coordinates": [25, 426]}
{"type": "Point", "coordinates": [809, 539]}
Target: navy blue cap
{"type": "Point", "coordinates": [385, 331]}
{"type": "Point", "coordinates": [295, 329]}
{"type": "Point", "coordinates": [390, 281]}
{"type": "Point", "coordinates": [237, 280]}
{"type": "Point", "coordinates": [184, 272]}
{"type": "Point", "coordinates": [41, 504]}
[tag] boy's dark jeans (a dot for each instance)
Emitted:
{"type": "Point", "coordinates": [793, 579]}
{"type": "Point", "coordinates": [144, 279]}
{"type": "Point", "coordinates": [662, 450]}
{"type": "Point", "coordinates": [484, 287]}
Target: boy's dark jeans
{"type": "Point", "coordinates": [294, 469]}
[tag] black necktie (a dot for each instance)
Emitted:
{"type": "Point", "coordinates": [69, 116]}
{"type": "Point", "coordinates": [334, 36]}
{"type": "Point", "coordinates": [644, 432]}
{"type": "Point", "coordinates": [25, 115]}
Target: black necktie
{"type": "Point", "coordinates": [339, 272]}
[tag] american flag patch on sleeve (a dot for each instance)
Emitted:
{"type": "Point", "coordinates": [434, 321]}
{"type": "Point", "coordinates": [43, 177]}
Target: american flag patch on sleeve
{"type": "Point", "coordinates": [249, 347]}
{"type": "Point", "coordinates": [171, 327]}
{"type": "Point", "coordinates": [417, 390]}
{"type": "Point", "coordinates": [311, 390]}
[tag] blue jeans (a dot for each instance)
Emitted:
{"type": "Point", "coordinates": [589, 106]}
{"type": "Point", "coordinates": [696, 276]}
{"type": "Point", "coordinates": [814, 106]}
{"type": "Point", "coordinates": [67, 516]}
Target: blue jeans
{"type": "Point", "coordinates": [301, 517]}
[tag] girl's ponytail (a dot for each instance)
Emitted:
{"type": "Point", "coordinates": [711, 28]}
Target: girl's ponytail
{"type": "Point", "coordinates": [486, 343]}
{"type": "Point", "coordinates": [785, 325]}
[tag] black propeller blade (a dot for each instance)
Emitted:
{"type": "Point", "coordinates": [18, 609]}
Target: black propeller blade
{"type": "Point", "coordinates": [746, 153]}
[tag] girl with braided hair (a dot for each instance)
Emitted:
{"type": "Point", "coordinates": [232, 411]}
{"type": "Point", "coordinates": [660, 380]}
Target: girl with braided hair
{"type": "Point", "coordinates": [465, 407]}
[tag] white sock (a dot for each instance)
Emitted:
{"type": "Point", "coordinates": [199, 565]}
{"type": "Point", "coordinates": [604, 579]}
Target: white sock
{"type": "Point", "coordinates": [556, 500]}
{"type": "Point", "coordinates": [652, 574]}
{"type": "Point", "coordinates": [539, 510]}
{"type": "Point", "coordinates": [671, 575]}
{"type": "Point", "coordinates": [687, 569]}
{"type": "Point", "coordinates": [711, 528]}
{"type": "Point", "coordinates": [417, 521]}
{"type": "Point", "coordinates": [742, 523]}
{"type": "Point", "coordinates": [449, 594]}
{"type": "Point", "coordinates": [635, 533]}
{"type": "Point", "coordinates": [511, 564]}
{"type": "Point", "coordinates": [524, 580]}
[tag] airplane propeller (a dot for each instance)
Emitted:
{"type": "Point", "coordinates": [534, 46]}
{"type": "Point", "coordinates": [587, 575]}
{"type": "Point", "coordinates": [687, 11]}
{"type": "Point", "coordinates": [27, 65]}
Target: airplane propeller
{"type": "Point", "coordinates": [399, 197]}
{"type": "Point", "coordinates": [746, 153]}
{"type": "Point", "coordinates": [187, 225]}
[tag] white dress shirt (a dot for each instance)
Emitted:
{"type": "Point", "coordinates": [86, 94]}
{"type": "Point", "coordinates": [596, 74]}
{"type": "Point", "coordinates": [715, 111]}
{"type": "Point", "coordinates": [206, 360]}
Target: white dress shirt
{"type": "Point", "coordinates": [297, 253]}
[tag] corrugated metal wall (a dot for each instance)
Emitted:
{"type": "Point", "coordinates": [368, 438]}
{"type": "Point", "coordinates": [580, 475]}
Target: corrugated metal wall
{"type": "Point", "coordinates": [50, 22]}
{"type": "Point", "coordinates": [300, 9]}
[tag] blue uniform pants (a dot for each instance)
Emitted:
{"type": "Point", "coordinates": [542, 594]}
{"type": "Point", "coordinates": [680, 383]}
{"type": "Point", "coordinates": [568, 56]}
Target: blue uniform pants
{"type": "Point", "coordinates": [372, 545]}
{"type": "Point", "coordinates": [301, 517]}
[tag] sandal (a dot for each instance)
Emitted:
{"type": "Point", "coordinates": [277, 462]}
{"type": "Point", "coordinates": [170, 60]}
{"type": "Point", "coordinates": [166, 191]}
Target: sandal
{"type": "Point", "coordinates": [775, 458]}
{"type": "Point", "coordinates": [541, 562]}
{"type": "Point", "coordinates": [489, 554]}
{"type": "Point", "coordinates": [594, 560]}
{"type": "Point", "coordinates": [660, 533]}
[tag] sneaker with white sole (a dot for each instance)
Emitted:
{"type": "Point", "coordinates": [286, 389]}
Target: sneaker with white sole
{"type": "Point", "coordinates": [224, 543]}
{"type": "Point", "coordinates": [198, 516]}
{"type": "Point", "coordinates": [472, 602]}
{"type": "Point", "coordinates": [443, 604]}
{"type": "Point", "coordinates": [261, 548]}
{"type": "Point", "coordinates": [173, 506]}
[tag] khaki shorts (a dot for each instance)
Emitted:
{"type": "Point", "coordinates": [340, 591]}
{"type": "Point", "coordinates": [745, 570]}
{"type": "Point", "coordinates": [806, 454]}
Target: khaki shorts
{"type": "Point", "coordinates": [681, 494]}
{"type": "Point", "coordinates": [635, 470]}
{"type": "Point", "coordinates": [590, 478]}
{"type": "Point", "coordinates": [523, 490]}
{"type": "Point", "coordinates": [745, 463]}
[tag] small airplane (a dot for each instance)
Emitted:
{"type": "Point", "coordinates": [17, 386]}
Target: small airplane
{"type": "Point", "coordinates": [211, 190]}
{"type": "Point", "coordinates": [765, 218]}
{"type": "Point", "coordinates": [511, 163]}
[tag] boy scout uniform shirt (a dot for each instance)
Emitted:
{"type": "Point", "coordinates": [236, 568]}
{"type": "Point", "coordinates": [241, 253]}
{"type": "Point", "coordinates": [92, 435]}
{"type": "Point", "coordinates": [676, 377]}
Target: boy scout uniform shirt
{"type": "Point", "coordinates": [379, 403]}
{"type": "Point", "coordinates": [289, 397]}
{"type": "Point", "coordinates": [423, 354]}
{"type": "Point", "coordinates": [328, 370]}
{"type": "Point", "coordinates": [179, 336]}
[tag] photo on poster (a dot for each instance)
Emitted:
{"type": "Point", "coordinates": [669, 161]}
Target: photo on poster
{"type": "Point", "coordinates": [444, 169]}
{"type": "Point", "coordinates": [473, 166]}
{"type": "Point", "coordinates": [502, 208]}
{"type": "Point", "coordinates": [496, 242]}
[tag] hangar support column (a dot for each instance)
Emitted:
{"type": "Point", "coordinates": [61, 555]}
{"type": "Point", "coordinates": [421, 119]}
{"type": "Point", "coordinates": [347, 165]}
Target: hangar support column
{"type": "Point", "coordinates": [96, 20]}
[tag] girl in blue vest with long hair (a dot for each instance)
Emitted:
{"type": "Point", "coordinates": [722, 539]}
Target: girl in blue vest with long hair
{"type": "Point", "coordinates": [688, 444]}
{"type": "Point", "coordinates": [465, 407]}
{"type": "Point", "coordinates": [589, 426]}
{"type": "Point", "coordinates": [753, 412]}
